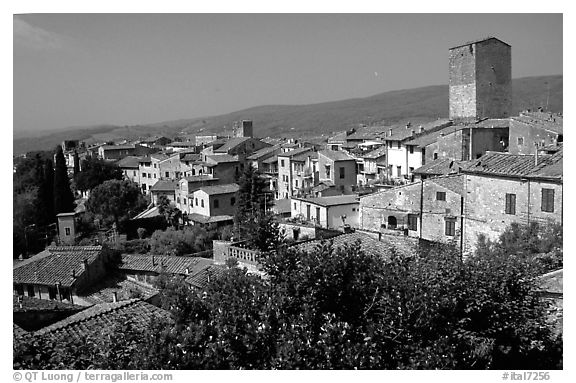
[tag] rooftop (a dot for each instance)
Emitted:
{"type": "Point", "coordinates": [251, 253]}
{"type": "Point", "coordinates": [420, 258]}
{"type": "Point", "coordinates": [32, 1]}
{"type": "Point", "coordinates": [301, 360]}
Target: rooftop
{"type": "Point", "coordinates": [167, 263]}
{"type": "Point", "coordinates": [29, 304]}
{"type": "Point", "coordinates": [294, 152]}
{"type": "Point", "coordinates": [376, 153]}
{"type": "Point", "coordinates": [480, 40]}
{"type": "Point", "coordinates": [271, 160]}
{"type": "Point", "coordinates": [63, 264]}
{"type": "Point", "coordinates": [200, 178]}
{"type": "Point", "coordinates": [263, 152]}
{"type": "Point", "coordinates": [517, 165]}
{"type": "Point", "coordinates": [302, 157]}
{"type": "Point", "coordinates": [130, 162]}
{"type": "Point", "coordinates": [204, 219]}
{"type": "Point", "coordinates": [118, 147]}
{"type": "Point", "coordinates": [201, 279]}
{"type": "Point", "coordinates": [336, 155]}
{"type": "Point", "coordinates": [440, 166]}
{"type": "Point", "coordinates": [164, 185]}
{"type": "Point", "coordinates": [332, 200]}
{"type": "Point", "coordinates": [282, 206]}
{"type": "Point", "coordinates": [91, 321]}
{"type": "Point", "coordinates": [124, 289]}
{"type": "Point", "coordinates": [552, 282]}
{"type": "Point", "coordinates": [220, 189]}
{"type": "Point", "coordinates": [232, 143]}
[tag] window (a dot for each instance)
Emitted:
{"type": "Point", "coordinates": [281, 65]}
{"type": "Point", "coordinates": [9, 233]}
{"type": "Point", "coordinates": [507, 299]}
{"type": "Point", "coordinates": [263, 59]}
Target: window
{"type": "Point", "coordinates": [548, 200]}
{"type": "Point", "coordinates": [294, 205]}
{"type": "Point", "coordinates": [177, 199]}
{"type": "Point", "coordinates": [398, 144]}
{"type": "Point", "coordinates": [411, 149]}
{"type": "Point", "coordinates": [144, 187]}
{"type": "Point", "coordinates": [327, 171]}
{"type": "Point", "coordinates": [232, 201]}
{"type": "Point", "coordinates": [440, 196]}
{"type": "Point", "coordinates": [342, 172]}
{"type": "Point", "coordinates": [201, 203]}
{"type": "Point", "coordinates": [282, 163]}
{"type": "Point", "coordinates": [399, 171]}
{"type": "Point", "coordinates": [411, 170]}
{"type": "Point", "coordinates": [520, 140]}
{"type": "Point", "coordinates": [193, 171]}
{"type": "Point", "coordinates": [143, 175]}
{"type": "Point", "coordinates": [154, 166]}
{"type": "Point", "coordinates": [450, 228]}
{"type": "Point", "coordinates": [67, 231]}
{"type": "Point", "coordinates": [308, 212]}
{"type": "Point", "coordinates": [183, 200]}
{"type": "Point", "coordinates": [30, 289]}
{"type": "Point", "coordinates": [167, 174]}
{"type": "Point", "coordinates": [216, 203]}
{"type": "Point", "coordinates": [154, 175]}
{"type": "Point", "coordinates": [510, 203]}
{"type": "Point", "coordinates": [296, 181]}
{"type": "Point", "coordinates": [412, 222]}
{"type": "Point", "coordinates": [435, 156]}
{"type": "Point", "coordinates": [196, 201]}
{"type": "Point", "coordinates": [318, 214]}
{"type": "Point", "coordinates": [134, 173]}
{"type": "Point", "coordinates": [20, 290]}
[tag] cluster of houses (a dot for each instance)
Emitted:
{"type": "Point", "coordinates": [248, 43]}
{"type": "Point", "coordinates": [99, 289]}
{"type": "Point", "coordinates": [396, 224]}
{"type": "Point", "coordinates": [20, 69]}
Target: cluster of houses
{"type": "Point", "coordinates": [446, 181]}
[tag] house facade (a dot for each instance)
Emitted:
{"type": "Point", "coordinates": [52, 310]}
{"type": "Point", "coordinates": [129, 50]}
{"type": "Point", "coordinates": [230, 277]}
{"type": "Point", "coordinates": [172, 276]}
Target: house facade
{"type": "Point", "coordinates": [328, 212]}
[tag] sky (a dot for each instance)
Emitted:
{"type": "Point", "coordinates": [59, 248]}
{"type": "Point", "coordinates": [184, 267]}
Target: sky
{"type": "Point", "coordinates": [126, 69]}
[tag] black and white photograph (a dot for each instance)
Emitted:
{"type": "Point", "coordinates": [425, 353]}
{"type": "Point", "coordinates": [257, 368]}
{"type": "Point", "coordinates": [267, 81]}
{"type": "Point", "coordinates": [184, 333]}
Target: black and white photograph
{"type": "Point", "coordinates": [287, 191]}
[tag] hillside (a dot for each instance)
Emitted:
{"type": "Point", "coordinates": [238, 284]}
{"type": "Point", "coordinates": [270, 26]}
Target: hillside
{"type": "Point", "coordinates": [417, 104]}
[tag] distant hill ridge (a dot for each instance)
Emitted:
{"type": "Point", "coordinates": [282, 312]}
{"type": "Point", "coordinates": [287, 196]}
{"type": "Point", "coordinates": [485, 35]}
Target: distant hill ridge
{"type": "Point", "coordinates": [417, 105]}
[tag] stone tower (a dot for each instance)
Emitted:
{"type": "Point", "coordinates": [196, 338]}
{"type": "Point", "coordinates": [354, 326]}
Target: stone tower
{"type": "Point", "coordinates": [242, 128]}
{"type": "Point", "coordinates": [480, 80]}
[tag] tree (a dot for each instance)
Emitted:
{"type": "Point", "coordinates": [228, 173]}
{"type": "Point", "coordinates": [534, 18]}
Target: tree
{"type": "Point", "coordinates": [179, 242]}
{"type": "Point", "coordinates": [63, 197]}
{"type": "Point", "coordinates": [94, 172]}
{"type": "Point", "coordinates": [116, 202]}
{"type": "Point", "coordinates": [169, 211]}
{"type": "Point", "coordinates": [76, 163]}
{"type": "Point", "coordinates": [45, 197]}
{"type": "Point", "coordinates": [252, 220]}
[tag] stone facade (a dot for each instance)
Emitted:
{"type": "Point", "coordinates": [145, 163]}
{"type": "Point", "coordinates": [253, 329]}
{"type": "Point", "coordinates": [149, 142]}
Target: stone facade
{"type": "Point", "coordinates": [480, 80]}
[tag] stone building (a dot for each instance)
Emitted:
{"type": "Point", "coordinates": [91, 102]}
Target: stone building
{"type": "Point", "coordinates": [333, 212]}
{"type": "Point", "coordinates": [532, 131]}
{"type": "Point", "coordinates": [286, 172]}
{"type": "Point", "coordinates": [503, 188]}
{"type": "Point", "coordinates": [480, 80]}
{"type": "Point", "coordinates": [337, 167]}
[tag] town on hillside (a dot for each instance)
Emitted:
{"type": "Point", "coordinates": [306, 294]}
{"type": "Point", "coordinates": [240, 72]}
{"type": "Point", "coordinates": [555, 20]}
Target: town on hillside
{"type": "Point", "coordinates": [157, 240]}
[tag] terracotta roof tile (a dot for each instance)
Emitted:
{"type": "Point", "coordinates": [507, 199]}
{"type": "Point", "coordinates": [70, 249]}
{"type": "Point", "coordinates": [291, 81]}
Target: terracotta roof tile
{"type": "Point", "coordinates": [56, 264]}
{"type": "Point", "coordinates": [28, 304]}
{"type": "Point", "coordinates": [166, 263]}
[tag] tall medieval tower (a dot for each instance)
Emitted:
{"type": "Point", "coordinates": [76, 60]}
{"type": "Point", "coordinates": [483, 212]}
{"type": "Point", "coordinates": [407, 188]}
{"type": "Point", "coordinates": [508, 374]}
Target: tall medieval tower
{"type": "Point", "coordinates": [480, 80]}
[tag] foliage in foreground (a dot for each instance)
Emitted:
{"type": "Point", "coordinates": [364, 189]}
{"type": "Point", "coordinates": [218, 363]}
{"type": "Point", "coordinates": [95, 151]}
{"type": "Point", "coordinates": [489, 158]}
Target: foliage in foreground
{"type": "Point", "coordinates": [343, 309]}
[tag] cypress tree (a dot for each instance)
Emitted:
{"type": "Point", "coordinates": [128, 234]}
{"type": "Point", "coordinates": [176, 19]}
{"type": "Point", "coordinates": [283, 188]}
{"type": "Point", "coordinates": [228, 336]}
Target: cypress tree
{"type": "Point", "coordinates": [76, 163]}
{"type": "Point", "coordinates": [49, 201]}
{"type": "Point", "coordinates": [63, 197]}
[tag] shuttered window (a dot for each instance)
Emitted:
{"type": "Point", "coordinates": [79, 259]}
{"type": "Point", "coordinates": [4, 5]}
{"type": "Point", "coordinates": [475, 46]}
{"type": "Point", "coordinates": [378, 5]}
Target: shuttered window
{"type": "Point", "coordinates": [510, 203]}
{"type": "Point", "coordinates": [548, 200]}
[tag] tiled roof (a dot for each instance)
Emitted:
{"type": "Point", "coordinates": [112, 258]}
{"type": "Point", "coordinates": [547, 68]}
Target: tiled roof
{"type": "Point", "coordinates": [547, 121]}
{"type": "Point", "coordinates": [18, 331]}
{"type": "Point", "coordinates": [221, 158]}
{"type": "Point", "coordinates": [294, 152]}
{"type": "Point", "coordinates": [263, 152]}
{"type": "Point", "coordinates": [118, 147]}
{"type": "Point", "coordinates": [440, 166]}
{"type": "Point", "coordinates": [480, 40]}
{"type": "Point", "coordinates": [144, 159]}
{"type": "Point", "coordinates": [130, 162]}
{"type": "Point", "coordinates": [28, 304]}
{"type": "Point", "coordinates": [220, 189]}
{"type": "Point", "coordinates": [200, 279]}
{"type": "Point", "coordinates": [332, 200]}
{"type": "Point", "coordinates": [368, 244]}
{"type": "Point", "coordinates": [159, 156]}
{"type": "Point", "coordinates": [302, 157]}
{"type": "Point", "coordinates": [232, 143]}
{"type": "Point", "coordinates": [125, 289]}
{"type": "Point", "coordinates": [401, 133]}
{"type": "Point", "coordinates": [338, 137]}
{"type": "Point", "coordinates": [191, 157]}
{"type": "Point", "coordinates": [271, 160]}
{"type": "Point", "coordinates": [164, 185]}
{"type": "Point", "coordinates": [454, 182]}
{"type": "Point", "coordinates": [178, 144]}
{"type": "Point", "coordinates": [428, 138]}
{"type": "Point", "coordinates": [58, 265]}
{"type": "Point", "coordinates": [195, 217]}
{"type": "Point", "coordinates": [148, 213]}
{"type": "Point", "coordinates": [200, 178]}
{"type": "Point", "coordinates": [517, 165]}
{"type": "Point", "coordinates": [167, 263]}
{"type": "Point", "coordinates": [374, 154]}
{"type": "Point", "coordinates": [336, 155]}
{"type": "Point", "coordinates": [91, 321]}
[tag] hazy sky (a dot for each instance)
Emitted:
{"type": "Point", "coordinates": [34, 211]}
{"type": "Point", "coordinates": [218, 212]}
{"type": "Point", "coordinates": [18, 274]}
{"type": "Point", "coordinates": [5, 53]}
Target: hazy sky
{"type": "Point", "coordinates": [83, 69]}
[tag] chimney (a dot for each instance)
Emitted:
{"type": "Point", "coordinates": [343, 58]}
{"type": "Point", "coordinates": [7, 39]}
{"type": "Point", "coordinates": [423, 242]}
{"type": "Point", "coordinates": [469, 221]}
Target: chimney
{"type": "Point", "coordinates": [73, 273]}
{"type": "Point", "coordinates": [408, 125]}
{"type": "Point", "coordinates": [413, 132]}
{"type": "Point", "coordinates": [187, 271]}
{"type": "Point", "coordinates": [536, 154]}
{"type": "Point", "coordinates": [421, 129]}
{"type": "Point", "coordinates": [390, 132]}
{"type": "Point", "coordinates": [114, 297]}
{"type": "Point", "coordinates": [153, 260]}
